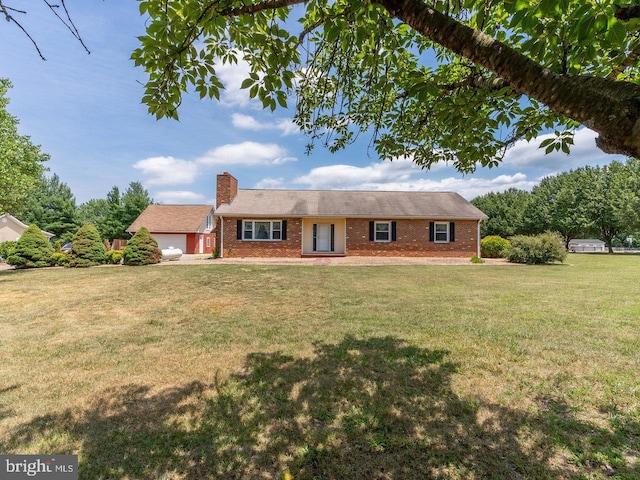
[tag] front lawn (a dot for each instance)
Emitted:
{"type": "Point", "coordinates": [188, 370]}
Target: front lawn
{"type": "Point", "coordinates": [238, 371]}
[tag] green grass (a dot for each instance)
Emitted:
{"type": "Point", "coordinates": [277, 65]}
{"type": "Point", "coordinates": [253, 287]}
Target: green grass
{"type": "Point", "coordinates": [238, 371]}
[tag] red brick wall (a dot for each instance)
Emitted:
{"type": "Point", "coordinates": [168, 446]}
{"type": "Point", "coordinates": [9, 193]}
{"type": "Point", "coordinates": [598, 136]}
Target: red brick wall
{"type": "Point", "coordinates": [291, 247]}
{"type": "Point", "coordinates": [412, 240]}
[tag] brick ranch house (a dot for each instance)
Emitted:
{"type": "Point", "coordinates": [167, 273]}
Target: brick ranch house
{"type": "Point", "coordinates": [294, 223]}
{"type": "Point", "coordinates": [187, 227]}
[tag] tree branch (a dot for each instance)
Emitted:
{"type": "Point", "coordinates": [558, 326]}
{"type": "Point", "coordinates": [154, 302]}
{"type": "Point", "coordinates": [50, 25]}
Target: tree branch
{"type": "Point", "coordinates": [479, 82]}
{"type": "Point", "coordinates": [627, 13]}
{"type": "Point", "coordinates": [70, 26]}
{"type": "Point", "coordinates": [4, 9]}
{"type": "Point", "coordinates": [258, 7]}
{"type": "Point", "coordinates": [617, 118]}
{"type": "Point", "coordinates": [627, 62]}
{"type": "Point", "coordinates": [68, 23]}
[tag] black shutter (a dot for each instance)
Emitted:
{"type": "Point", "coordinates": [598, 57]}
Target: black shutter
{"type": "Point", "coordinates": [315, 237]}
{"type": "Point", "coordinates": [284, 230]}
{"type": "Point", "coordinates": [452, 232]}
{"type": "Point", "coordinates": [333, 233]}
{"type": "Point", "coordinates": [432, 226]}
{"type": "Point", "coordinates": [239, 229]}
{"type": "Point", "coordinates": [372, 230]}
{"type": "Point", "coordinates": [393, 231]}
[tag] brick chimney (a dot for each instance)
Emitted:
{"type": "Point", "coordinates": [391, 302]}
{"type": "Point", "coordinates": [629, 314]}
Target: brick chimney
{"type": "Point", "coordinates": [226, 188]}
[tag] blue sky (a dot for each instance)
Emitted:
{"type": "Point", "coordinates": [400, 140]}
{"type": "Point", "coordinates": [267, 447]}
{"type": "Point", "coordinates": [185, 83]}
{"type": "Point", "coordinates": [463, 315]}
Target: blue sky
{"type": "Point", "coordinates": [85, 111]}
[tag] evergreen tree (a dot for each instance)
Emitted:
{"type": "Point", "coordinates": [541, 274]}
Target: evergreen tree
{"type": "Point", "coordinates": [95, 211]}
{"type": "Point", "coordinates": [123, 209]}
{"type": "Point", "coordinates": [52, 207]}
{"type": "Point", "coordinates": [87, 249]}
{"type": "Point", "coordinates": [142, 249]}
{"type": "Point", "coordinates": [32, 250]}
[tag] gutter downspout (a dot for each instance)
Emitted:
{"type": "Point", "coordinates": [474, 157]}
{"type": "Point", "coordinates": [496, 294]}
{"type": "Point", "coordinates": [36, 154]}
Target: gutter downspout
{"type": "Point", "coordinates": [478, 243]}
{"type": "Point", "coordinates": [221, 237]}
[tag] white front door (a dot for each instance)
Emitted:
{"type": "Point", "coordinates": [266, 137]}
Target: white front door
{"type": "Point", "coordinates": [201, 244]}
{"type": "Point", "coordinates": [323, 237]}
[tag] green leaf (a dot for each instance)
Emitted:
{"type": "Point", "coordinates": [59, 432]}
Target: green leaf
{"type": "Point", "coordinates": [617, 32]}
{"type": "Point", "coordinates": [586, 28]}
{"type": "Point", "coordinates": [247, 82]}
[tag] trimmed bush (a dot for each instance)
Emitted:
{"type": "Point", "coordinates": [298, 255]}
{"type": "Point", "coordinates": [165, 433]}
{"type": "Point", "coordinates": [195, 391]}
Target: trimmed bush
{"type": "Point", "coordinates": [7, 248]}
{"type": "Point", "coordinates": [59, 259]}
{"type": "Point", "coordinates": [142, 249]}
{"type": "Point", "coordinates": [494, 246]}
{"type": "Point", "coordinates": [33, 250]}
{"type": "Point", "coordinates": [114, 257]}
{"type": "Point", "coordinates": [537, 249]}
{"type": "Point", "coordinates": [87, 249]}
{"type": "Point", "coordinates": [476, 259]}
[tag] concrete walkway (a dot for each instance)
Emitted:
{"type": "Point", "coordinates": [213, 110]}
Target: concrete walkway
{"type": "Point", "coordinates": [326, 261]}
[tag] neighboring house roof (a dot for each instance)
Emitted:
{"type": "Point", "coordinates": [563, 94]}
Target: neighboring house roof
{"type": "Point", "coordinates": [586, 241]}
{"type": "Point", "coordinates": [6, 218]}
{"type": "Point", "coordinates": [172, 218]}
{"type": "Point", "coordinates": [349, 203]}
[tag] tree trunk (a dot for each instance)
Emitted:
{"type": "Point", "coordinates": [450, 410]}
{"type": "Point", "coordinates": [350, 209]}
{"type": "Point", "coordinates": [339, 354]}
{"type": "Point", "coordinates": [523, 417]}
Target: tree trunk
{"type": "Point", "coordinates": [609, 107]}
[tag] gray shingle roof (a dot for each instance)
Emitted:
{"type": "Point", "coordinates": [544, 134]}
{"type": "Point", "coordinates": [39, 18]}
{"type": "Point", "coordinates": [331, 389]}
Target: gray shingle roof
{"type": "Point", "coordinates": [171, 218]}
{"type": "Point", "coordinates": [349, 203]}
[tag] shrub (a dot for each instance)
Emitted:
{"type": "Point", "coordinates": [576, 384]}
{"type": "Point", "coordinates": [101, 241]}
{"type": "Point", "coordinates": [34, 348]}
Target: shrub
{"type": "Point", "coordinates": [87, 249]}
{"type": "Point", "coordinates": [142, 249]}
{"type": "Point", "coordinates": [114, 257]}
{"type": "Point", "coordinates": [59, 259]}
{"type": "Point", "coordinates": [476, 259]}
{"type": "Point", "coordinates": [494, 246]}
{"type": "Point", "coordinates": [33, 250]}
{"type": "Point", "coordinates": [537, 249]}
{"type": "Point", "coordinates": [7, 248]}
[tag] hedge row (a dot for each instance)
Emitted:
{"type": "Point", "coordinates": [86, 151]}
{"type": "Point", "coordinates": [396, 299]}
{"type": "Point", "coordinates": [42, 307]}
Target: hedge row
{"type": "Point", "coordinates": [33, 250]}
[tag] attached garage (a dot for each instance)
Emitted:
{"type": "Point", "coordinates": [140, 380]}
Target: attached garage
{"type": "Point", "coordinates": [187, 227]}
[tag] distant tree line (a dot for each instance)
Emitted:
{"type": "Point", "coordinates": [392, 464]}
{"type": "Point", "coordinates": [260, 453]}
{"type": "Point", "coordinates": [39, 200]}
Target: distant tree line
{"type": "Point", "coordinates": [600, 202]}
{"type": "Point", "coordinates": [52, 207]}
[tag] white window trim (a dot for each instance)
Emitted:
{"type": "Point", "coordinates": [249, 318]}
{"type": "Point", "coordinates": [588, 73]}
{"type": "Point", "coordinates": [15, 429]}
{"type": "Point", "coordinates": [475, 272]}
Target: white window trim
{"type": "Point", "coordinates": [435, 232]}
{"type": "Point", "coordinates": [253, 233]}
{"type": "Point", "coordinates": [209, 223]}
{"type": "Point", "coordinates": [375, 232]}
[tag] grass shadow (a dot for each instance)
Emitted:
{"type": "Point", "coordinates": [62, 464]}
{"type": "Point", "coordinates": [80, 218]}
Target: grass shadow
{"type": "Point", "coordinates": [366, 409]}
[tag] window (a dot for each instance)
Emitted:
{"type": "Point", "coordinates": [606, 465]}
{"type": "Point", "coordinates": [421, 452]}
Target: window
{"type": "Point", "coordinates": [382, 232]}
{"type": "Point", "coordinates": [209, 222]}
{"type": "Point", "coordinates": [441, 232]}
{"type": "Point", "coordinates": [208, 242]}
{"type": "Point", "coordinates": [262, 230]}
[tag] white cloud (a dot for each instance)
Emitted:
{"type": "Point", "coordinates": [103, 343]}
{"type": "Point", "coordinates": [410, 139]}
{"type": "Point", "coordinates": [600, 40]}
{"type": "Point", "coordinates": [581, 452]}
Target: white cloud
{"type": "Point", "coordinates": [403, 175]}
{"type": "Point", "coordinates": [584, 152]}
{"type": "Point", "coordinates": [178, 196]}
{"type": "Point", "coordinates": [232, 76]}
{"type": "Point", "coordinates": [247, 122]}
{"type": "Point", "coordinates": [468, 187]}
{"type": "Point", "coordinates": [167, 171]}
{"type": "Point", "coordinates": [350, 177]}
{"type": "Point", "coordinates": [246, 153]}
{"type": "Point", "coordinates": [270, 183]}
